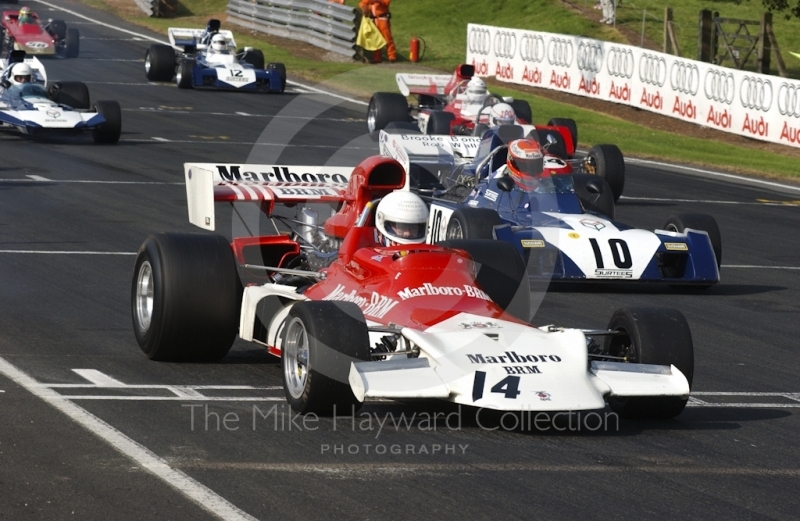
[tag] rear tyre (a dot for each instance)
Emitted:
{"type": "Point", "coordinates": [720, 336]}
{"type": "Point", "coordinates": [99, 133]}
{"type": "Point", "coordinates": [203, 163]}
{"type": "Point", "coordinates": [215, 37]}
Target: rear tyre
{"type": "Point", "coordinates": [658, 336]}
{"type": "Point", "coordinates": [569, 124]}
{"type": "Point", "coordinates": [320, 340]}
{"type": "Point", "coordinates": [184, 75]}
{"type": "Point", "coordinates": [73, 94]}
{"type": "Point", "coordinates": [522, 109]}
{"type": "Point", "coordinates": [73, 43]}
{"type": "Point", "coordinates": [385, 107]}
{"type": "Point", "coordinates": [698, 221]}
{"type": "Point", "coordinates": [610, 165]}
{"type": "Point", "coordinates": [281, 68]}
{"type": "Point", "coordinates": [439, 123]}
{"type": "Point", "coordinates": [558, 147]}
{"type": "Point", "coordinates": [602, 203]}
{"type": "Point", "coordinates": [501, 274]}
{"type": "Point", "coordinates": [255, 58]}
{"type": "Point", "coordinates": [109, 131]}
{"type": "Point", "coordinates": [159, 62]}
{"type": "Point", "coordinates": [185, 297]}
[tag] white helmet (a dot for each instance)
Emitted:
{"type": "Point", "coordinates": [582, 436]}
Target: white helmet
{"type": "Point", "coordinates": [476, 90]}
{"type": "Point", "coordinates": [501, 114]}
{"type": "Point", "coordinates": [401, 218]}
{"type": "Point", "coordinates": [20, 73]}
{"type": "Point", "coordinates": [219, 44]}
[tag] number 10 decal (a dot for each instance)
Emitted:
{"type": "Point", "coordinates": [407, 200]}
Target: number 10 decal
{"type": "Point", "coordinates": [508, 386]}
{"type": "Point", "coordinates": [619, 251]}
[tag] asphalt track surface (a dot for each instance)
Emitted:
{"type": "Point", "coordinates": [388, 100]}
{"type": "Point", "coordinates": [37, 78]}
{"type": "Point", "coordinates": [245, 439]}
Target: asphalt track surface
{"type": "Point", "coordinates": [116, 440]}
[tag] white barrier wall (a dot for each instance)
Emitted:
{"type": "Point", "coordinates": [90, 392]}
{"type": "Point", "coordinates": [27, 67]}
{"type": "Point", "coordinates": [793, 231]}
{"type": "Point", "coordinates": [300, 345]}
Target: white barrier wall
{"type": "Point", "coordinates": [754, 105]}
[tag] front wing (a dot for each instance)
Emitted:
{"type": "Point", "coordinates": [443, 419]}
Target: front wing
{"type": "Point", "coordinates": [236, 79]}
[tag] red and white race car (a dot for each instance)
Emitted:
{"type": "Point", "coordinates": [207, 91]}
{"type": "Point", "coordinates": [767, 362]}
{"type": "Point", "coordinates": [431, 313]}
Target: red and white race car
{"type": "Point", "coordinates": [354, 320]}
{"type": "Point", "coordinates": [36, 37]}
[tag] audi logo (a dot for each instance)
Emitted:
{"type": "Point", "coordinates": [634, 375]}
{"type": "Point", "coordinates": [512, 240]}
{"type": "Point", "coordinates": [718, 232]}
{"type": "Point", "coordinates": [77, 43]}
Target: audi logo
{"type": "Point", "coordinates": [756, 93]}
{"type": "Point", "coordinates": [559, 52]}
{"type": "Point", "coordinates": [479, 41]}
{"type": "Point", "coordinates": [590, 57]}
{"type": "Point", "coordinates": [720, 86]}
{"type": "Point", "coordinates": [684, 77]}
{"type": "Point", "coordinates": [653, 69]}
{"type": "Point", "coordinates": [531, 48]}
{"type": "Point", "coordinates": [505, 44]}
{"type": "Point", "coordinates": [620, 62]}
{"type": "Point", "coordinates": [789, 100]}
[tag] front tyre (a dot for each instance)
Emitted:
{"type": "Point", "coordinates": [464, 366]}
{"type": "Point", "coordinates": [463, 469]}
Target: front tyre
{"type": "Point", "coordinates": [72, 43]}
{"type": "Point", "coordinates": [698, 221]}
{"type": "Point", "coordinates": [110, 131]}
{"type": "Point", "coordinates": [659, 336]}
{"type": "Point", "coordinates": [281, 70]}
{"type": "Point", "coordinates": [184, 75]}
{"type": "Point", "coordinates": [320, 340]}
{"type": "Point", "coordinates": [185, 297]}
{"type": "Point", "coordinates": [385, 107]}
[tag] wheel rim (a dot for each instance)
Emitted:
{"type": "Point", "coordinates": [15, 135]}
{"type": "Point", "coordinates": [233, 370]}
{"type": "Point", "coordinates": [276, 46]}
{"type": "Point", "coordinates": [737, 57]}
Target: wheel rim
{"type": "Point", "coordinates": [454, 231]}
{"type": "Point", "coordinates": [295, 358]}
{"type": "Point", "coordinates": [371, 117]}
{"type": "Point", "coordinates": [147, 63]}
{"type": "Point", "coordinates": [179, 76]}
{"type": "Point", "coordinates": [144, 296]}
{"type": "Point", "coordinates": [672, 228]}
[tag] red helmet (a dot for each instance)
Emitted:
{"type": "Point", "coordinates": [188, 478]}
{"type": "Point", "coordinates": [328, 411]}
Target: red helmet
{"type": "Point", "coordinates": [525, 163]}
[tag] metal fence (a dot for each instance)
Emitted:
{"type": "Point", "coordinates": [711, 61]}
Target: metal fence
{"type": "Point", "coordinates": [318, 22]}
{"type": "Point", "coordinates": [158, 8]}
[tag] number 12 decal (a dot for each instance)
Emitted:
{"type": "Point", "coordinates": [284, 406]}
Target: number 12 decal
{"type": "Point", "coordinates": [508, 386]}
{"type": "Point", "coordinates": [619, 251]}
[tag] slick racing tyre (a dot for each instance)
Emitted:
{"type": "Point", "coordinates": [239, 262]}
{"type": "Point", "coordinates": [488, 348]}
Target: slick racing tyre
{"type": "Point", "coordinates": [553, 142]}
{"type": "Point", "coordinates": [595, 195]}
{"type": "Point", "coordinates": [281, 68]}
{"type": "Point", "coordinates": [159, 62]}
{"type": "Point", "coordinates": [184, 75]}
{"type": "Point", "coordinates": [659, 336]}
{"type": "Point", "coordinates": [255, 58]}
{"type": "Point", "coordinates": [439, 123]}
{"type": "Point", "coordinates": [73, 94]}
{"type": "Point", "coordinates": [698, 221]}
{"type": "Point", "coordinates": [385, 107]}
{"type": "Point", "coordinates": [320, 340]}
{"type": "Point", "coordinates": [569, 124]}
{"type": "Point", "coordinates": [522, 109]}
{"type": "Point", "coordinates": [72, 43]}
{"type": "Point", "coordinates": [109, 131]}
{"type": "Point", "coordinates": [472, 223]}
{"type": "Point", "coordinates": [185, 297]}
{"type": "Point", "coordinates": [607, 162]}
{"type": "Point", "coordinates": [501, 274]}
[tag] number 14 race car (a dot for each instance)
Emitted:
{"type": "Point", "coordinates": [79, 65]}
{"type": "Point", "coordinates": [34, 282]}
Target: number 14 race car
{"type": "Point", "coordinates": [362, 320]}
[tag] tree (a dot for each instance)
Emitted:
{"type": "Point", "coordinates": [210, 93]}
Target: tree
{"type": "Point", "coordinates": [781, 6]}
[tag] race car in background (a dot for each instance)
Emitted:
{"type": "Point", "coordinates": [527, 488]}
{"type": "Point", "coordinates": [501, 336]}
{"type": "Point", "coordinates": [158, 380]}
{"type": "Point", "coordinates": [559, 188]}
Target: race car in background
{"type": "Point", "coordinates": [447, 321]}
{"type": "Point", "coordinates": [63, 108]}
{"type": "Point", "coordinates": [207, 58]}
{"type": "Point", "coordinates": [565, 229]}
{"type": "Point", "coordinates": [37, 37]}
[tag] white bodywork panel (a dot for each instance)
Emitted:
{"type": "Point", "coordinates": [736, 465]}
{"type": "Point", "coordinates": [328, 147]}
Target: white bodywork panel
{"type": "Point", "coordinates": [252, 296]}
{"type": "Point", "coordinates": [432, 84]}
{"type": "Point", "coordinates": [178, 34]}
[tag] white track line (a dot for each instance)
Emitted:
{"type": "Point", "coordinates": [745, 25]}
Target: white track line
{"type": "Point", "coordinates": [155, 110]}
{"type": "Point", "coordinates": [71, 252]}
{"type": "Point", "coordinates": [91, 181]}
{"type": "Point", "coordinates": [712, 201]}
{"type": "Point", "coordinates": [745, 266]}
{"type": "Point", "coordinates": [98, 378]}
{"type": "Point", "coordinates": [144, 457]}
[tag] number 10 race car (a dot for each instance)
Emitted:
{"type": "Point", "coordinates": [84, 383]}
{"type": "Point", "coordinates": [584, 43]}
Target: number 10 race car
{"type": "Point", "coordinates": [354, 320]}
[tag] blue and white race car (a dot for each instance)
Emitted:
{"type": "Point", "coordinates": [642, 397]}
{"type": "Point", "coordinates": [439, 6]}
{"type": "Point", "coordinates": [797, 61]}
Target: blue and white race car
{"type": "Point", "coordinates": [208, 58]}
{"type": "Point", "coordinates": [63, 108]}
{"type": "Point", "coordinates": [565, 229]}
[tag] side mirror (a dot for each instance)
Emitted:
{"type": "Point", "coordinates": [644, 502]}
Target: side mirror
{"type": "Point", "coordinates": [594, 186]}
{"type": "Point", "coordinates": [505, 183]}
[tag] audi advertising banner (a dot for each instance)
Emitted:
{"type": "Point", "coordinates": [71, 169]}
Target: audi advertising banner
{"type": "Point", "coordinates": [746, 103]}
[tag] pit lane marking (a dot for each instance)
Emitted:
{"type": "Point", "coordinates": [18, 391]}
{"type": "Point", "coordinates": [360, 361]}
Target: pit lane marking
{"type": "Point", "coordinates": [141, 455]}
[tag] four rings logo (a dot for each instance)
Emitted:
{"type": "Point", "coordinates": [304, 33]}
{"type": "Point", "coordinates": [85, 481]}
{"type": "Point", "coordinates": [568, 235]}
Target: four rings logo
{"type": "Point", "coordinates": [620, 62]}
{"type": "Point", "coordinates": [756, 93]}
{"type": "Point", "coordinates": [684, 77]}
{"type": "Point", "coordinates": [479, 41]}
{"type": "Point", "coordinates": [559, 52]}
{"type": "Point", "coordinates": [531, 48]}
{"type": "Point", "coordinates": [505, 44]}
{"type": "Point", "coordinates": [720, 86]}
{"type": "Point", "coordinates": [652, 69]}
{"type": "Point", "coordinates": [590, 57]}
{"type": "Point", "coordinates": [789, 100]}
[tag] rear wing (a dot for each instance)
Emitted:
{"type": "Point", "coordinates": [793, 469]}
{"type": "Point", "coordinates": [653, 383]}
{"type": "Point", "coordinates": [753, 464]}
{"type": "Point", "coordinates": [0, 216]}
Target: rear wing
{"type": "Point", "coordinates": [207, 183]}
{"type": "Point", "coordinates": [181, 38]}
{"type": "Point", "coordinates": [410, 149]}
{"type": "Point", "coordinates": [431, 84]}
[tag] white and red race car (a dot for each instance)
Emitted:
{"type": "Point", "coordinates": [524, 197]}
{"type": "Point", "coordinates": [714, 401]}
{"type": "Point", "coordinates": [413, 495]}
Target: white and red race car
{"type": "Point", "coordinates": [353, 320]}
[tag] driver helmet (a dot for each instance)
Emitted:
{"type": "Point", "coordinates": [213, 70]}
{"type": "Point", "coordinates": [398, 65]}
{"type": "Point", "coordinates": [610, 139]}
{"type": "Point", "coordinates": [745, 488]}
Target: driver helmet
{"type": "Point", "coordinates": [219, 44]}
{"type": "Point", "coordinates": [401, 218]}
{"type": "Point", "coordinates": [25, 16]}
{"type": "Point", "coordinates": [501, 114]}
{"type": "Point", "coordinates": [476, 90]}
{"type": "Point", "coordinates": [525, 163]}
{"type": "Point", "coordinates": [20, 73]}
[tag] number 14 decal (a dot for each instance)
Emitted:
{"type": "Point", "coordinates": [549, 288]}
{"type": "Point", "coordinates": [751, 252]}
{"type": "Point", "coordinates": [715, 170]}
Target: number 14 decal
{"type": "Point", "coordinates": [619, 251]}
{"type": "Point", "coordinates": [508, 386]}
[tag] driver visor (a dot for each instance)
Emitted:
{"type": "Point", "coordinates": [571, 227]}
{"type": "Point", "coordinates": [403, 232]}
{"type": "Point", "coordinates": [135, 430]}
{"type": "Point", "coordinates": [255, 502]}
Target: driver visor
{"type": "Point", "coordinates": [406, 230]}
